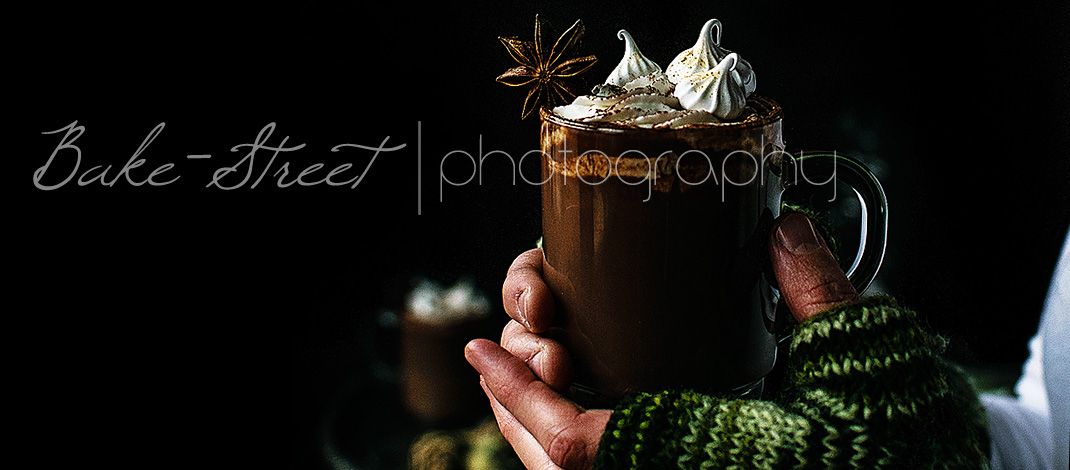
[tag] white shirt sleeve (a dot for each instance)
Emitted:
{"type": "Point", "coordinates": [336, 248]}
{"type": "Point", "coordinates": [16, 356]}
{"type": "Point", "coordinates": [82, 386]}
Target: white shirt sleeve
{"type": "Point", "coordinates": [1032, 431]}
{"type": "Point", "coordinates": [1055, 327]}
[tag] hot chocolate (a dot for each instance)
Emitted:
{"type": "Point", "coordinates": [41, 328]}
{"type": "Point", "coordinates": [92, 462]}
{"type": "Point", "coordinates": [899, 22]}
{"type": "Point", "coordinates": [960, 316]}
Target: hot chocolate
{"type": "Point", "coordinates": [653, 212]}
{"type": "Point", "coordinates": [659, 191]}
{"type": "Point", "coordinates": [655, 247]}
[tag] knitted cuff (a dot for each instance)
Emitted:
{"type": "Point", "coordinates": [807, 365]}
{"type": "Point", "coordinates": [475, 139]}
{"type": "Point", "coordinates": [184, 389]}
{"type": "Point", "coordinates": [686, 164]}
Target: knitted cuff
{"type": "Point", "coordinates": [851, 343]}
{"type": "Point", "coordinates": [866, 389]}
{"type": "Point", "coordinates": [643, 432]}
{"type": "Point", "coordinates": [871, 373]}
{"type": "Point", "coordinates": [692, 430]}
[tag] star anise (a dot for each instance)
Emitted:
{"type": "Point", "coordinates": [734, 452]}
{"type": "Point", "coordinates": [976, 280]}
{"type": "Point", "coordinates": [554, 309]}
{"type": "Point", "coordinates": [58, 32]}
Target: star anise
{"type": "Point", "coordinates": [550, 74]}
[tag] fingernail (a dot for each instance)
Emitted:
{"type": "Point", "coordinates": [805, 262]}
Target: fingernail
{"type": "Point", "coordinates": [522, 307]}
{"type": "Point", "coordinates": [472, 354]}
{"type": "Point", "coordinates": [797, 234]}
{"type": "Point", "coordinates": [485, 387]}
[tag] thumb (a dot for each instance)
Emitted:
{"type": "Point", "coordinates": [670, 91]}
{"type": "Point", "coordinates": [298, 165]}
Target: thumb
{"type": "Point", "coordinates": [810, 279]}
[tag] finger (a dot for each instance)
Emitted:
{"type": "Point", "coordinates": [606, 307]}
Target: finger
{"type": "Point", "coordinates": [548, 359]}
{"type": "Point", "coordinates": [810, 279]}
{"type": "Point", "coordinates": [531, 453]}
{"type": "Point", "coordinates": [568, 434]}
{"type": "Point", "coordinates": [526, 297]}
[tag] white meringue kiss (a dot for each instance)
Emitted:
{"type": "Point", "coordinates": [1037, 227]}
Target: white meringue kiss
{"type": "Point", "coordinates": [705, 55]}
{"type": "Point", "coordinates": [719, 91]}
{"type": "Point", "coordinates": [704, 84]}
{"type": "Point", "coordinates": [699, 58]}
{"type": "Point", "coordinates": [633, 65]}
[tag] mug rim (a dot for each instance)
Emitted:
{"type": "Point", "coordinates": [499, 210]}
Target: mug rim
{"type": "Point", "coordinates": [769, 112]}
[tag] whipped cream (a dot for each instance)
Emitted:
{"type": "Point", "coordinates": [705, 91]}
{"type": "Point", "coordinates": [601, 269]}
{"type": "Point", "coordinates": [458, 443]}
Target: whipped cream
{"type": "Point", "coordinates": [702, 85]}
{"type": "Point", "coordinates": [430, 303]}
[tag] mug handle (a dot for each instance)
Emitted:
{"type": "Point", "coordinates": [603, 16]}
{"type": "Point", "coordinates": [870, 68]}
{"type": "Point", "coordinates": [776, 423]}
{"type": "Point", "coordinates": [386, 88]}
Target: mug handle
{"type": "Point", "coordinates": [810, 170]}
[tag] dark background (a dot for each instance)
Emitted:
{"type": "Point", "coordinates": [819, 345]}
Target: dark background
{"type": "Point", "coordinates": [189, 325]}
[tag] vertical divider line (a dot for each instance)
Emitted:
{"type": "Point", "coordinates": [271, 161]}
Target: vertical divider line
{"type": "Point", "coordinates": [419, 167]}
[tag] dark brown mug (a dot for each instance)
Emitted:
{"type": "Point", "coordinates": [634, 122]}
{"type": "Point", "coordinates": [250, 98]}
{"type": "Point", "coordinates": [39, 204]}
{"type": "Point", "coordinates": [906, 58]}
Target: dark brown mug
{"type": "Point", "coordinates": [655, 246]}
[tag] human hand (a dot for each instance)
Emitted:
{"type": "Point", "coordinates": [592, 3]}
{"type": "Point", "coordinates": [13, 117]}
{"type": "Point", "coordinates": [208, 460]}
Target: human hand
{"type": "Point", "coordinates": [524, 381]}
{"type": "Point", "coordinates": [810, 279]}
{"type": "Point", "coordinates": [525, 376]}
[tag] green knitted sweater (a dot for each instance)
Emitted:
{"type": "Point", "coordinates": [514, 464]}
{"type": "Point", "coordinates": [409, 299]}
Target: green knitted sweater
{"type": "Point", "coordinates": [864, 388]}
